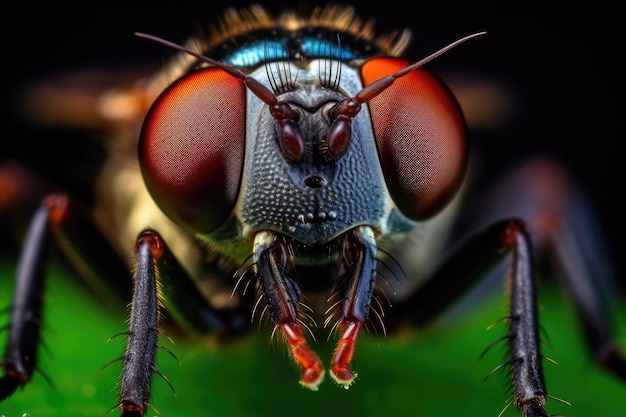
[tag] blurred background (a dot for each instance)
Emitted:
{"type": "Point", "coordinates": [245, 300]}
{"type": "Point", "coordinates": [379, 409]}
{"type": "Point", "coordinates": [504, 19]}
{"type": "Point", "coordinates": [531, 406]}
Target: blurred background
{"type": "Point", "coordinates": [562, 65]}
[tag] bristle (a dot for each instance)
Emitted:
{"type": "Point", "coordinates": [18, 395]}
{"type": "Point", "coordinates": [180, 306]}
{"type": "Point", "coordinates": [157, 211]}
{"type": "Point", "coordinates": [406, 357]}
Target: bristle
{"type": "Point", "coordinates": [236, 22]}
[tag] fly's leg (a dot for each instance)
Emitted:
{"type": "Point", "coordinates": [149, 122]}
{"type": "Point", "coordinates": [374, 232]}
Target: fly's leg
{"type": "Point", "coordinates": [566, 233]}
{"type": "Point", "coordinates": [466, 267]}
{"type": "Point", "coordinates": [142, 343]}
{"type": "Point", "coordinates": [561, 223]}
{"type": "Point", "coordinates": [525, 357]}
{"type": "Point", "coordinates": [20, 356]}
{"type": "Point", "coordinates": [159, 279]}
{"type": "Point", "coordinates": [359, 253]}
{"type": "Point", "coordinates": [282, 296]}
{"type": "Point", "coordinates": [58, 222]}
{"type": "Point", "coordinates": [62, 226]}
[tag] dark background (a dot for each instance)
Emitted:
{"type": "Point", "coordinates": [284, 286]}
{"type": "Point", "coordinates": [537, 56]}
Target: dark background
{"type": "Point", "coordinates": [564, 62]}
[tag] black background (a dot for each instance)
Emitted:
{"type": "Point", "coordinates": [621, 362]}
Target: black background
{"type": "Point", "coordinates": [564, 61]}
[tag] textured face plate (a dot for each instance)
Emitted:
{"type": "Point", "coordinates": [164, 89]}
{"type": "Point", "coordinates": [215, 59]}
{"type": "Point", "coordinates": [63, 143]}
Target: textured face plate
{"type": "Point", "coordinates": [348, 192]}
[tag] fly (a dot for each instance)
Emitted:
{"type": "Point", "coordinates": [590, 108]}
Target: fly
{"type": "Point", "coordinates": [285, 158]}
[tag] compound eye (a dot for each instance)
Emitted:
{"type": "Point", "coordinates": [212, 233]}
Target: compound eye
{"type": "Point", "coordinates": [421, 138]}
{"type": "Point", "coordinates": [191, 148]}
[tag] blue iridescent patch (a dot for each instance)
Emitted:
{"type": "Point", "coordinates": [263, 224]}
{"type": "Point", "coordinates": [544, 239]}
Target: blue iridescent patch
{"type": "Point", "coordinates": [270, 50]}
{"type": "Point", "coordinates": [257, 53]}
{"type": "Point", "coordinates": [320, 48]}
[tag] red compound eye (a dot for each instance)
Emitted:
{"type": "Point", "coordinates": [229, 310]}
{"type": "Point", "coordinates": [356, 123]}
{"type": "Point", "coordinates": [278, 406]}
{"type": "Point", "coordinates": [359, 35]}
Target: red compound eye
{"type": "Point", "coordinates": [191, 148]}
{"type": "Point", "coordinates": [421, 137]}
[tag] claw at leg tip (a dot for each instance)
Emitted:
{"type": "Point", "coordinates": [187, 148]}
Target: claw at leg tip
{"type": "Point", "coordinates": [312, 379]}
{"type": "Point", "coordinates": [343, 377]}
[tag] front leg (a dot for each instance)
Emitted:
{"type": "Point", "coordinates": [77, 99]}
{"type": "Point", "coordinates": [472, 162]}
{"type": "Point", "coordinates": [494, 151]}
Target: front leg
{"type": "Point", "coordinates": [355, 288]}
{"type": "Point", "coordinates": [359, 254]}
{"type": "Point", "coordinates": [283, 298]}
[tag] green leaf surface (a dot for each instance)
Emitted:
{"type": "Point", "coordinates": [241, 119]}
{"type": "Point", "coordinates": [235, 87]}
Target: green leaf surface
{"type": "Point", "coordinates": [434, 373]}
